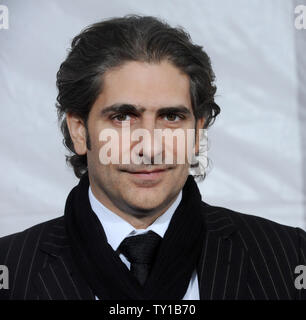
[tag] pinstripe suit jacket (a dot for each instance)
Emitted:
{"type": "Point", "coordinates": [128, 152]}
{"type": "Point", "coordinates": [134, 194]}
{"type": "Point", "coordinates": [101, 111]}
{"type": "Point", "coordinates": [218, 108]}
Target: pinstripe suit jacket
{"type": "Point", "coordinates": [243, 257]}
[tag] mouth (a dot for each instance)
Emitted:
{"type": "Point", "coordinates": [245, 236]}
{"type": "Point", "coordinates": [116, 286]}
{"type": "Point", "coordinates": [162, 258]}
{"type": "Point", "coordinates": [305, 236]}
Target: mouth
{"type": "Point", "coordinates": [148, 174]}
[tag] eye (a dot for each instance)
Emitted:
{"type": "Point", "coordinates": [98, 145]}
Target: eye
{"type": "Point", "coordinates": [121, 117]}
{"type": "Point", "coordinates": [172, 117]}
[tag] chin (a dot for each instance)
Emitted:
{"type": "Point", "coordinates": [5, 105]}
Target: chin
{"type": "Point", "coordinates": [146, 204]}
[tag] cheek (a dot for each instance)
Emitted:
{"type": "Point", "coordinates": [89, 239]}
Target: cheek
{"type": "Point", "coordinates": [182, 146]}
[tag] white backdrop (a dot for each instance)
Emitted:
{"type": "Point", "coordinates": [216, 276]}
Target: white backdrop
{"type": "Point", "coordinates": [255, 145]}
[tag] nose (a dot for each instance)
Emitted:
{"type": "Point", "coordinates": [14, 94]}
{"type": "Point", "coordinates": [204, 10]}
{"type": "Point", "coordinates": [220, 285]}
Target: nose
{"type": "Point", "coordinates": [151, 147]}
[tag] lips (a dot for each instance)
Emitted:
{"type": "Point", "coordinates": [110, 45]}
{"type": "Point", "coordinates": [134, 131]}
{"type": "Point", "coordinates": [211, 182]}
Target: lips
{"type": "Point", "coordinates": [147, 172]}
{"type": "Point", "coordinates": [154, 175]}
{"type": "Point", "coordinates": [148, 175]}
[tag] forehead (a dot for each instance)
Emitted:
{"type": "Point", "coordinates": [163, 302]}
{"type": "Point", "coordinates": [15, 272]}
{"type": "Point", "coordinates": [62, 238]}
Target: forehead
{"type": "Point", "coordinates": [151, 85]}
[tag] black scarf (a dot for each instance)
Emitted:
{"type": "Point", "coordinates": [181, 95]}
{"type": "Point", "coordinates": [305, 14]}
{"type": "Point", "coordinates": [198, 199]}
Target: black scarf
{"type": "Point", "coordinates": [108, 276]}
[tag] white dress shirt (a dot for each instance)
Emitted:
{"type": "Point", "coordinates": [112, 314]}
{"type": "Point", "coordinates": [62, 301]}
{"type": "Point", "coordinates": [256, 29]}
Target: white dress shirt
{"type": "Point", "coordinates": [117, 229]}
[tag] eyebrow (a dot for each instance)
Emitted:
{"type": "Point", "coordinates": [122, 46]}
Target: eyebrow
{"type": "Point", "coordinates": [130, 108]}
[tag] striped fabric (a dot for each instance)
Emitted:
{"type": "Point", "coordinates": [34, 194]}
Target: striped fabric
{"type": "Point", "coordinates": [243, 257]}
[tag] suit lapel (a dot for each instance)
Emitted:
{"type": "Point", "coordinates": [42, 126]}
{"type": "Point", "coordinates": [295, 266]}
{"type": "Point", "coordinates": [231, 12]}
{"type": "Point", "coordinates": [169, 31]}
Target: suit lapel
{"type": "Point", "coordinates": [222, 266]}
{"type": "Point", "coordinates": [59, 278]}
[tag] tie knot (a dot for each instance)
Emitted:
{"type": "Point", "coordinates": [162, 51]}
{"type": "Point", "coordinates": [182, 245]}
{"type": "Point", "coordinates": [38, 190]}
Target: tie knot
{"type": "Point", "coordinates": [140, 248]}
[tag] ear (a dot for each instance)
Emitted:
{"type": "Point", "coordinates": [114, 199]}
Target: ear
{"type": "Point", "coordinates": [199, 125]}
{"type": "Point", "coordinates": [77, 132]}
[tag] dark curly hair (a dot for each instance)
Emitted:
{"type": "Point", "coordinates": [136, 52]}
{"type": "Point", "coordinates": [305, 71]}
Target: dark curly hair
{"type": "Point", "coordinates": [111, 43]}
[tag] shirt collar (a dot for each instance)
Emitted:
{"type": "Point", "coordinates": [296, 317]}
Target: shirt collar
{"type": "Point", "coordinates": [116, 228]}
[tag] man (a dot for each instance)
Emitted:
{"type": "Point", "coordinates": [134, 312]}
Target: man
{"type": "Point", "coordinates": [139, 230]}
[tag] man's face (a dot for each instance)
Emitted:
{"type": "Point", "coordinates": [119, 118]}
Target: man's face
{"type": "Point", "coordinates": [158, 98]}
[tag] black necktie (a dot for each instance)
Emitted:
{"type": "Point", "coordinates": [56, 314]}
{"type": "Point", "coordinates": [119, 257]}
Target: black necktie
{"type": "Point", "coordinates": [140, 250]}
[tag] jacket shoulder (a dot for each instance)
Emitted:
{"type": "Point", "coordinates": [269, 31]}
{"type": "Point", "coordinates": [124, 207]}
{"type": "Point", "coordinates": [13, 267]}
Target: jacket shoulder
{"type": "Point", "coordinates": [20, 237]}
{"type": "Point", "coordinates": [260, 236]}
{"type": "Point", "coordinates": [269, 252]}
{"type": "Point", "coordinates": [244, 221]}
{"type": "Point", "coordinates": [20, 253]}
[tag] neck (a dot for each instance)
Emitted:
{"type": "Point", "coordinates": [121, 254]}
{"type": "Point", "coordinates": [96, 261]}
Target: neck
{"type": "Point", "coordinates": [139, 222]}
{"type": "Point", "coordinates": [140, 219]}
